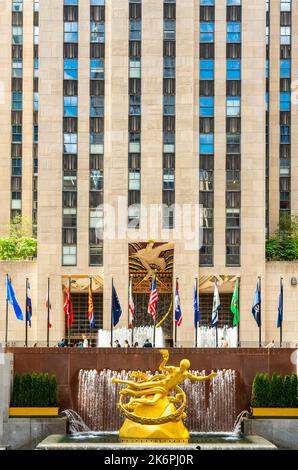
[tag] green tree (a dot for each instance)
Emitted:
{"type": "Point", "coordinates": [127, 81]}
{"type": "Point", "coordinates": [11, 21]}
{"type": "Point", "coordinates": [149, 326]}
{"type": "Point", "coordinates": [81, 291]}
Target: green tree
{"type": "Point", "coordinates": [260, 391]}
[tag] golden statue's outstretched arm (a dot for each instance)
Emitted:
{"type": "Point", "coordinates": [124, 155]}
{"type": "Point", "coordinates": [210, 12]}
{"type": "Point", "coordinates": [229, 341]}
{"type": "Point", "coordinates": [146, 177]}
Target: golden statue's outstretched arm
{"type": "Point", "coordinates": [201, 377]}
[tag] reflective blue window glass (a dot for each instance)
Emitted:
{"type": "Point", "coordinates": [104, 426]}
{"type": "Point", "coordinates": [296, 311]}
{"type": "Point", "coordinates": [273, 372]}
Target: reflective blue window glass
{"type": "Point", "coordinates": [97, 69]}
{"type": "Point", "coordinates": [70, 106]}
{"type": "Point", "coordinates": [206, 144]}
{"type": "Point", "coordinates": [285, 135]}
{"type": "Point", "coordinates": [206, 69]}
{"type": "Point", "coordinates": [285, 101]}
{"type": "Point", "coordinates": [206, 106]}
{"type": "Point", "coordinates": [207, 32]}
{"type": "Point", "coordinates": [233, 32]}
{"type": "Point", "coordinates": [285, 68]}
{"type": "Point", "coordinates": [233, 69]}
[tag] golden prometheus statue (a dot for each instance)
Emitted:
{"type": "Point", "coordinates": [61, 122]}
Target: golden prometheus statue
{"type": "Point", "coordinates": [156, 409]}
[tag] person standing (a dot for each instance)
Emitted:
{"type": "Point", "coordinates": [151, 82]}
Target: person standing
{"type": "Point", "coordinates": [126, 344]}
{"type": "Point", "coordinates": [147, 344]}
{"type": "Point", "coordinates": [85, 342]}
{"type": "Point", "coordinates": [117, 344]}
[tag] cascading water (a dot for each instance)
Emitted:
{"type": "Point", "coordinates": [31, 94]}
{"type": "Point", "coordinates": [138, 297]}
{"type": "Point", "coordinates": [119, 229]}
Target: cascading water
{"type": "Point", "coordinates": [211, 405]}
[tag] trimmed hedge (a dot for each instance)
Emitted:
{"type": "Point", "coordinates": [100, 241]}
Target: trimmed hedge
{"type": "Point", "coordinates": [277, 392]}
{"type": "Point", "coordinates": [35, 390]}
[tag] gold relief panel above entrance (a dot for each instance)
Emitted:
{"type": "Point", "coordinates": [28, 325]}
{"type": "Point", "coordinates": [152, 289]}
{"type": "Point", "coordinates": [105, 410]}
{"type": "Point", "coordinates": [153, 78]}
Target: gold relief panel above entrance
{"type": "Point", "coordinates": [147, 259]}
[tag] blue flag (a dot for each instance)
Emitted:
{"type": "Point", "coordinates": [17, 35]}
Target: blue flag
{"type": "Point", "coordinates": [280, 307]}
{"type": "Point", "coordinates": [28, 306]}
{"type": "Point", "coordinates": [10, 296]}
{"type": "Point", "coordinates": [178, 311]}
{"type": "Point", "coordinates": [116, 307]}
{"type": "Point", "coordinates": [197, 313]}
{"type": "Point", "coordinates": [256, 307]}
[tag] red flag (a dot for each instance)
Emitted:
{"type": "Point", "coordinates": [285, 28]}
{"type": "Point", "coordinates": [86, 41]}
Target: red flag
{"type": "Point", "coordinates": [49, 307]}
{"type": "Point", "coordinates": [68, 309]}
{"type": "Point", "coordinates": [131, 307]}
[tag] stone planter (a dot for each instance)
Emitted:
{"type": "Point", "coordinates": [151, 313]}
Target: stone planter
{"type": "Point", "coordinates": [274, 412]}
{"type": "Point", "coordinates": [33, 411]}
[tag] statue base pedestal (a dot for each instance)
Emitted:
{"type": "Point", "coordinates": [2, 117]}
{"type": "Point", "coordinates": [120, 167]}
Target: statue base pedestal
{"type": "Point", "coordinates": [171, 432]}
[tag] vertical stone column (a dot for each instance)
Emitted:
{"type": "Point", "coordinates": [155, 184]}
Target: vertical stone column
{"type": "Point", "coordinates": [116, 152]}
{"type": "Point", "coordinates": [186, 257]}
{"type": "Point", "coordinates": [50, 163]}
{"type": "Point", "coordinates": [252, 162]}
{"type": "Point", "coordinates": [83, 137]}
{"type": "Point", "coordinates": [6, 375]}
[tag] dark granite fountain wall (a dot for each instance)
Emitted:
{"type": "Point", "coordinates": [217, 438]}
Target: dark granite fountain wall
{"type": "Point", "coordinates": [66, 364]}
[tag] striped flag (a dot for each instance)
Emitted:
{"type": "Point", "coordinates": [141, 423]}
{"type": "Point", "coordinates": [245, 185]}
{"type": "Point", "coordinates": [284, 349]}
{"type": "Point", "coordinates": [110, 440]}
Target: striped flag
{"type": "Point", "coordinates": [197, 313]}
{"type": "Point", "coordinates": [131, 306]}
{"type": "Point", "coordinates": [68, 309]}
{"type": "Point", "coordinates": [153, 299]}
{"type": "Point", "coordinates": [28, 305]}
{"type": "Point", "coordinates": [216, 307]}
{"type": "Point", "coordinates": [91, 309]}
{"type": "Point", "coordinates": [178, 312]}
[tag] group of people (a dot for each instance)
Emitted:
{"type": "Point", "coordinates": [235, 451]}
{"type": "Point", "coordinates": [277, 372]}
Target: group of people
{"type": "Point", "coordinates": [81, 344]}
{"type": "Point", "coordinates": [147, 344]}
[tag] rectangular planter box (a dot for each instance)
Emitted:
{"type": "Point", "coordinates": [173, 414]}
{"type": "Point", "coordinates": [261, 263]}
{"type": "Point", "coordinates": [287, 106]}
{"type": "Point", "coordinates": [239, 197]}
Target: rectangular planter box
{"type": "Point", "coordinates": [275, 412]}
{"type": "Point", "coordinates": [33, 411]}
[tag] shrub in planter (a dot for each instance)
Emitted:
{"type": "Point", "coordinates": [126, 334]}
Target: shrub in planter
{"type": "Point", "coordinates": [277, 391]}
{"type": "Point", "coordinates": [294, 387]}
{"type": "Point", "coordinates": [26, 390]}
{"type": "Point", "coordinates": [16, 390]}
{"type": "Point", "coordinates": [260, 391]}
{"type": "Point", "coordinates": [53, 391]}
{"type": "Point", "coordinates": [288, 400]}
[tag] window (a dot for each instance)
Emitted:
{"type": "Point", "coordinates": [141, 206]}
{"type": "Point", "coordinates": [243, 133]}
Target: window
{"type": "Point", "coordinates": [70, 31]}
{"type": "Point", "coordinates": [233, 106]}
{"type": "Point", "coordinates": [97, 106]}
{"type": "Point", "coordinates": [17, 100]}
{"type": "Point", "coordinates": [285, 35]}
{"type": "Point", "coordinates": [135, 67]}
{"type": "Point", "coordinates": [17, 68]}
{"type": "Point", "coordinates": [70, 69]}
{"type": "Point", "coordinates": [169, 29]}
{"type": "Point", "coordinates": [285, 68]}
{"type": "Point", "coordinates": [285, 101]}
{"type": "Point", "coordinates": [97, 32]}
{"type": "Point", "coordinates": [206, 69]}
{"type": "Point", "coordinates": [169, 67]}
{"type": "Point", "coordinates": [206, 144]}
{"type": "Point", "coordinates": [16, 134]}
{"type": "Point", "coordinates": [285, 135]}
{"type": "Point", "coordinates": [17, 35]}
{"type": "Point", "coordinates": [135, 105]}
{"type": "Point", "coordinates": [233, 69]}
{"type": "Point", "coordinates": [135, 30]}
{"type": "Point", "coordinates": [206, 106]}
{"type": "Point", "coordinates": [97, 69]}
{"type": "Point", "coordinates": [70, 143]}
{"type": "Point", "coordinates": [70, 106]}
{"type": "Point", "coordinates": [233, 32]}
{"type": "Point", "coordinates": [169, 105]}
{"type": "Point", "coordinates": [207, 32]}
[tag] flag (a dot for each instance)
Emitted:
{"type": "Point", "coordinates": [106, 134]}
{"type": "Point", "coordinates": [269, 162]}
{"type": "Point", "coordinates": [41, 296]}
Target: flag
{"type": "Point", "coordinates": [28, 305]}
{"type": "Point", "coordinates": [178, 312]}
{"type": "Point", "coordinates": [49, 309]}
{"type": "Point", "coordinates": [91, 309]}
{"type": "Point", "coordinates": [197, 313]}
{"type": "Point", "coordinates": [68, 309]}
{"type": "Point", "coordinates": [10, 296]}
{"type": "Point", "coordinates": [235, 304]}
{"type": "Point", "coordinates": [153, 299]}
{"type": "Point", "coordinates": [256, 307]}
{"type": "Point", "coordinates": [131, 306]}
{"type": "Point", "coordinates": [280, 306]}
{"type": "Point", "coordinates": [116, 307]}
{"type": "Point", "coordinates": [216, 307]}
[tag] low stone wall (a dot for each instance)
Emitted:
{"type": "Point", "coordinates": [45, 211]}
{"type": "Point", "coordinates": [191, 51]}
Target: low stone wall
{"type": "Point", "coordinates": [27, 433]}
{"type": "Point", "coordinates": [281, 432]}
{"type": "Point", "coordinates": [66, 364]}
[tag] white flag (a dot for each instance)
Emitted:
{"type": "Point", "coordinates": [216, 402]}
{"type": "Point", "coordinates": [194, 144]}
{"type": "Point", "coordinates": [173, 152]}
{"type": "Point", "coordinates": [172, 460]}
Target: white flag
{"type": "Point", "coordinates": [216, 307]}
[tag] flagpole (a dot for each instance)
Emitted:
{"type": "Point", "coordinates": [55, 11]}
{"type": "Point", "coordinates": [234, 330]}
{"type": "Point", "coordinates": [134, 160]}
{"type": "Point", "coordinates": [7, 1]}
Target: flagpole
{"type": "Point", "coordinates": [175, 323]}
{"type": "Point", "coordinates": [260, 326]}
{"type": "Point", "coordinates": [68, 317]}
{"type": "Point", "coordinates": [48, 322]}
{"type": "Point", "coordinates": [238, 326]}
{"type": "Point", "coordinates": [6, 320]}
{"type": "Point", "coordinates": [132, 318]}
{"type": "Point", "coordinates": [282, 306]}
{"type": "Point", "coordinates": [26, 316]}
{"type": "Point", "coordinates": [154, 325]}
{"type": "Point", "coordinates": [90, 329]}
{"type": "Point", "coordinates": [196, 331]}
{"type": "Point", "coordinates": [216, 327]}
{"type": "Point", "coordinates": [112, 313]}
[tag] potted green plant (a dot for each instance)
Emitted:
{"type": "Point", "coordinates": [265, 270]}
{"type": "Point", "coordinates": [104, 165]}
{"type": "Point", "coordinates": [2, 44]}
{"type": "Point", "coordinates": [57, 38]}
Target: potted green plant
{"type": "Point", "coordinates": [34, 395]}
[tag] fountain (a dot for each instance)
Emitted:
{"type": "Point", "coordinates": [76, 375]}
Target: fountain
{"type": "Point", "coordinates": [211, 412]}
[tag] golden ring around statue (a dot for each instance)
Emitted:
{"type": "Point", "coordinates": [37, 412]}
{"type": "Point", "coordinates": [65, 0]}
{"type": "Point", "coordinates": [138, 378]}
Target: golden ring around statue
{"type": "Point", "coordinates": [173, 417]}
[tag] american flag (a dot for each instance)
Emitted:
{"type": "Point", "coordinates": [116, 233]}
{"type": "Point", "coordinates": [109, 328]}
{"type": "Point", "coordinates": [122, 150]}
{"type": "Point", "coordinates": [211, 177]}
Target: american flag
{"type": "Point", "coordinates": [131, 306]}
{"type": "Point", "coordinates": [153, 299]}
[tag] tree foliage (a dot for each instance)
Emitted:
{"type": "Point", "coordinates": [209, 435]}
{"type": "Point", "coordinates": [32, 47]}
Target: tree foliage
{"type": "Point", "coordinates": [283, 246]}
{"type": "Point", "coordinates": [20, 244]}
